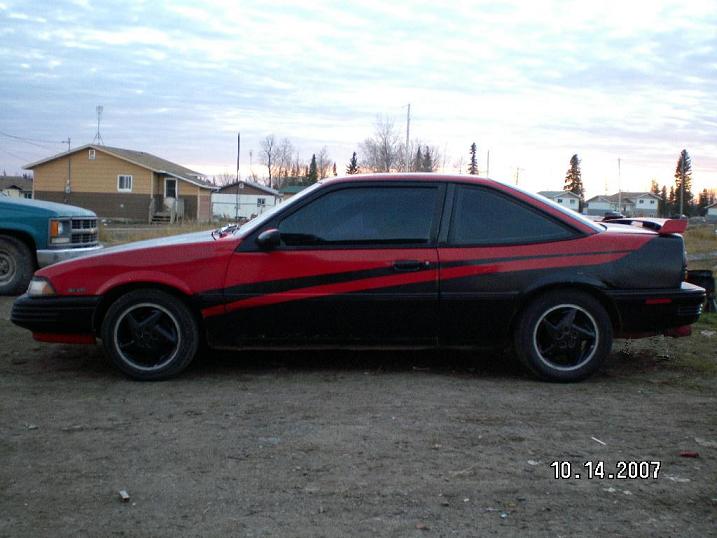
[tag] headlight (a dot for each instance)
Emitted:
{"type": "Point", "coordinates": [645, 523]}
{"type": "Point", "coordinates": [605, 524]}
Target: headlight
{"type": "Point", "coordinates": [60, 231]}
{"type": "Point", "coordinates": [39, 287]}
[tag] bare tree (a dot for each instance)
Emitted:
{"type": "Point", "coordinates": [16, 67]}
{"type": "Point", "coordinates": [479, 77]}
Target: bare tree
{"type": "Point", "coordinates": [323, 163]}
{"type": "Point", "coordinates": [269, 152]}
{"type": "Point", "coordinates": [284, 158]}
{"type": "Point", "coordinates": [381, 152]}
{"type": "Point", "coordinates": [225, 179]}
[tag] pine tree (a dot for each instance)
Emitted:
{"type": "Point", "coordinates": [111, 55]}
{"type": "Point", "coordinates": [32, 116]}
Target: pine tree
{"type": "Point", "coordinates": [683, 189]}
{"type": "Point", "coordinates": [573, 180]}
{"type": "Point", "coordinates": [662, 208]}
{"type": "Point", "coordinates": [671, 202]}
{"type": "Point", "coordinates": [427, 165]}
{"type": "Point", "coordinates": [704, 201]}
{"type": "Point", "coordinates": [418, 162]}
{"type": "Point", "coordinates": [335, 174]}
{"type": "Point", "coordinates": [313, 174]}
{"type": "Point", "coordinates": [352, 168]}
{"type": "Point", "coordinates": [473, 167]}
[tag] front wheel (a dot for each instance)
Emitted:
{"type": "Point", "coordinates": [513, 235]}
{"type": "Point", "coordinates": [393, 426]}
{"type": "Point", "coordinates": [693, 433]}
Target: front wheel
{"type": "Point", "coordinates": [150, 335]}
{"type": "Point", "coordinates": [563, 336]}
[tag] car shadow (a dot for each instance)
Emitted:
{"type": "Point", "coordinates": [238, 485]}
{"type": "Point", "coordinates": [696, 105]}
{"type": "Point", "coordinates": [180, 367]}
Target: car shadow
{"type": "Point", "coordinates": [442, 362]}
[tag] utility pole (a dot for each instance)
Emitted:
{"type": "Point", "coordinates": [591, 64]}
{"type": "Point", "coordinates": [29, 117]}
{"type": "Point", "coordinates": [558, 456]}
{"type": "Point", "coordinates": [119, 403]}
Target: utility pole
{"type": "Point", "coordinates": [236, 201]}
{"type": "Point", "coordinates": [408, 131]}
{"type": "Point", "coordinates": [517, 174]}
{"type": "Point", "coordinates": [682, 184]}
{"type": "Point", "coordinates": [619, 187]}
{"type": "Point", "coordinates": [68, 185]}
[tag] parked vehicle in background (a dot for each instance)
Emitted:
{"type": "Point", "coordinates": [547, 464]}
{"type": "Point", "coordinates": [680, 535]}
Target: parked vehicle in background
{"type": "Point", "coordinates": [34, 234]}
{"type": "Point", "coordinates": [378, 260]}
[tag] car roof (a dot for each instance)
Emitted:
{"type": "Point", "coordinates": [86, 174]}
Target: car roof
{"type": "Point", "coordinates": [412, 176]}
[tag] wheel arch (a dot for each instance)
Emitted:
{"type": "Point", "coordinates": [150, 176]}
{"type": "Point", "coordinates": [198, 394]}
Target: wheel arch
{"type": "Point", "coordinates": [24, 238]}
{"type": "Point", "coordinates": [590, 289]}
{"type": "Point", "coordinates": [111, 295]}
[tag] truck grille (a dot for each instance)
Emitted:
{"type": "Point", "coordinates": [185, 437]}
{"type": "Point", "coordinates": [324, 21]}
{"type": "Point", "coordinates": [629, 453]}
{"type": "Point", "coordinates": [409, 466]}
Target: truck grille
{"type": "Point", "coordinates": [84, 232]}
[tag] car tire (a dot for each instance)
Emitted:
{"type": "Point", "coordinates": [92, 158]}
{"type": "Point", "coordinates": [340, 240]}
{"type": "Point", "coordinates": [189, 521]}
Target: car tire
{"type": "Point", "coordinates": [563, 336]}
{"type": "Point", "coordinates": [150, 335]}
{"type": "Point", "coordinates": [16, 266]}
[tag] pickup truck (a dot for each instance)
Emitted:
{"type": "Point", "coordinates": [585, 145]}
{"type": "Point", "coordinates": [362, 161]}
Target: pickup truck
{"type": "Point", "coordinates": [35, 233]}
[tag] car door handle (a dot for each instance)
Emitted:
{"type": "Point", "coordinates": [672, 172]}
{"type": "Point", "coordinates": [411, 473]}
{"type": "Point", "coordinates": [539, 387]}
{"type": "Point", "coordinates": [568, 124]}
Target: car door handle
{"type": "Point", "coordinates": [405, 266]}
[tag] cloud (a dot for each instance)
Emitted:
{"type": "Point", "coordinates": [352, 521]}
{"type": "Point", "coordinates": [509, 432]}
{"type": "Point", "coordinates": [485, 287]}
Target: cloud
{"type": "Point", "coordinates": [533, 81]}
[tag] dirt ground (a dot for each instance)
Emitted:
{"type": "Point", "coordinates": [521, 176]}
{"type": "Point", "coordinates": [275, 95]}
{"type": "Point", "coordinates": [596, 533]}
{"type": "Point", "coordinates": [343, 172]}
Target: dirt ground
{"type": "Point", "coordinates": [360, 444]}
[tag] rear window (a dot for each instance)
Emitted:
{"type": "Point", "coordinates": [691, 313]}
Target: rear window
{"type": "Point", "coordinates": [484, 217]}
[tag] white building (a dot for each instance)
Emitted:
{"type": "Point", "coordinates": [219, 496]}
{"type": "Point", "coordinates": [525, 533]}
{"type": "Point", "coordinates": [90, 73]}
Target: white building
{"type": "Point", "coordinates": [566, 198]}
{"type": "Point", "coordinates": [712, 213]}
{"type": "Point", "coordinates": [243, 200]}
{"type": "Point", "coordinates": [630, 204]}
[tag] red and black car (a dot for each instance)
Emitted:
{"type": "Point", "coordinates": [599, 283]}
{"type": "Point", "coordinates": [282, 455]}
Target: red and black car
{"type": "Point", "coordinates": [378, 260]}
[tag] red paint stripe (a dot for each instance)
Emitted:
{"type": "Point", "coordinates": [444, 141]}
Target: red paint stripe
{"type": "Point", "coordinates": [64, 338]}
{"type": "Point", "coordinates": [334, 289]}
{"type": "Point", "coordinates": [658, 301]}
{"type": "Point", "coordinates": [527, 265]}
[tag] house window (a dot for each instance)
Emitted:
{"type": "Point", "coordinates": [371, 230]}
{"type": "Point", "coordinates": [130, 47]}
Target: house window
{"type": "Point", "coordinates": [641, 202]}
{"type": "Point", "coordinates": [91, 155]}
{"type": "Point", "coordinates": [572, 202]}
{"type": "Point", "coordinates": [652, 202]}
{"type": "Point", "coordinates": [560, 200]}
{"type": "Point", "coordinates": [27, 195]}
{"type": "Point", "coordinates": [260, 202]}
{"type": "Point", "coordinates": [124, 183]}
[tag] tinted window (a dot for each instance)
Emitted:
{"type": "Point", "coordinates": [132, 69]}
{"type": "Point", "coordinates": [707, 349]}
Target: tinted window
{"type": "Point", "coordinates": [484, 217]}
{"type": "Point", "coordinates": [384, 215]}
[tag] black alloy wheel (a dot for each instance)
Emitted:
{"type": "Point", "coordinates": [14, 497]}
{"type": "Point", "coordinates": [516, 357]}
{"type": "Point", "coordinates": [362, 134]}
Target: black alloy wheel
{"type": "Point", "coordinates": [150, 335]}
{"type": "Point", "coordinates": [563, 336]}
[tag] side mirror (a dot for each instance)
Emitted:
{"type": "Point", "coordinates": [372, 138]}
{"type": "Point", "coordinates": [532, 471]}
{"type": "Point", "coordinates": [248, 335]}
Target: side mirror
{"type": "Point", "coordinates": [269, 239]}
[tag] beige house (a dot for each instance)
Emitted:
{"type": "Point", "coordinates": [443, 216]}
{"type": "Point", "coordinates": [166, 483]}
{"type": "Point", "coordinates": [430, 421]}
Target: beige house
{"type": "Point", "coordinates": [123, 184]}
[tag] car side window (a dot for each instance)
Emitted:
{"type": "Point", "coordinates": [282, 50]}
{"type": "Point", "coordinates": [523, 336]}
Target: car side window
{"type": "Point", "coordinates": [484, 217]}
{"type": "Point", "coordinates": [364, 215]}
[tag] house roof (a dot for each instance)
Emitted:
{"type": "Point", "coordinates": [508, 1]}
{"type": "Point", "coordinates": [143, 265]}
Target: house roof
{"type": "Point", "coordinates": [292, 189]}
{"type": "Point", "coordinates": [18, 182]}
{"type": "Point", "coordinates": [556, 194]}
{"type": "Point", "coordinates": [257, 186]}
{"type": "Point", "coordinates": [625, 196]}
{"type": "Point", "coordinates": [140, 158]}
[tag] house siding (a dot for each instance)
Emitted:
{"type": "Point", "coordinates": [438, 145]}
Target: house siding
{"type": "Point", "coordinates": [106, 205]}
{"type": "Point", "coordinates": [90, 176]}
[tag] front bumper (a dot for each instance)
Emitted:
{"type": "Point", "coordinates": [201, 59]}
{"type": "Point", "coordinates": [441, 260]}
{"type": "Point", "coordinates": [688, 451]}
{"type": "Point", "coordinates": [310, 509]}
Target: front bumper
{"type": "Point", "coordinates": [50, 256]}
{"type": "Point", "coordinates": [55, 314]}
{"type": "Point", "coordinates": [657, 310]}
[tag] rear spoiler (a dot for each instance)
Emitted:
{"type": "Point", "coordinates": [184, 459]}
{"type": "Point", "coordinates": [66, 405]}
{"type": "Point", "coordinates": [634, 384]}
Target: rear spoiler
{"type": "Point", "coordinates": [661, 226]}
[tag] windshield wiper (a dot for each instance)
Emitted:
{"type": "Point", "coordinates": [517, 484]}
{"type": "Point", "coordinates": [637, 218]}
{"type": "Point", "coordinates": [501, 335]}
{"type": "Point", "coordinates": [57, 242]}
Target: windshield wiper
{"type": "Point", "coordinates": [224, 231]}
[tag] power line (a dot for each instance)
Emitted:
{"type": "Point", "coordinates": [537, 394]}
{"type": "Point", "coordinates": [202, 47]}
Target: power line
{"type": "Point", "coordinates": [14, 155]}
{"type": "Point", "coordinates": [30, 140]}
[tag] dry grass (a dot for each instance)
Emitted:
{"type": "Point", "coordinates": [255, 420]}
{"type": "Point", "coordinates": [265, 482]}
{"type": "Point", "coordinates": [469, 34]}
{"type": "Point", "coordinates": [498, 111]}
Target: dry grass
{"type": "Point", "coordinates": [701, 241]}
{"type": "Point", "coordinates": [126, 233]}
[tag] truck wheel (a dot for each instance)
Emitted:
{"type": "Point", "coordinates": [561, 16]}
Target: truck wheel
{"type": "Point", "coordinates": [563, 336]}
{"type": "Point", "coordinates": [16, 266]}
{"type": "Point", "coordinates": [150, 335]}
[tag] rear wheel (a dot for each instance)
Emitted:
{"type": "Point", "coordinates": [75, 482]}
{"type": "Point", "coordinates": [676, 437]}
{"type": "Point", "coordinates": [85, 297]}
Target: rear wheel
{"type": "Point", "coordinates": [150, 335]}
{"type": "Point", "coordinates": [16, 266]}
{"type": "Point", "coordinates": [563, 336]}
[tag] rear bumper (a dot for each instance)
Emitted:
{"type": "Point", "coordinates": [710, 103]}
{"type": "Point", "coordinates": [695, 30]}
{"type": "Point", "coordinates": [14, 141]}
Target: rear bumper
{"type": "Point", "coordinates": [657, 310]}
{"type": "Point", "coordinates": [50, 256]}
{"type": "Point", "coordinates": [55, 314]}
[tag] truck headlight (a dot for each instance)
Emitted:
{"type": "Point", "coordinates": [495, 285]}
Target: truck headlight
{"type": "Point", "coordinates": [60, 231]}
{"type": "Point", "coordinates": [39, 287]}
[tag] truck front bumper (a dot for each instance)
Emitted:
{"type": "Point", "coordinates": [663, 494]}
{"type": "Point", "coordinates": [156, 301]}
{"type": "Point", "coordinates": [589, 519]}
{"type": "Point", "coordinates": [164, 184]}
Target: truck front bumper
{"type": "Point", "coordinates": [50, 256]}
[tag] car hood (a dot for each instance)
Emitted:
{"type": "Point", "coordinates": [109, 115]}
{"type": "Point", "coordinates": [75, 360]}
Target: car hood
{"type": "Point", "coordinates": [52, 209]}
{"type": "Point", "coordinates": [181, 239]}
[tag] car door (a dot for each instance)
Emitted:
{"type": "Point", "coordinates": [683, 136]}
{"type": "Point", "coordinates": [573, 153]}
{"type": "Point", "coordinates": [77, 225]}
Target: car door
{"type": "Point", "coordinates": [357, 264]}
{"type": "Point", "coordinates": [494, 248]}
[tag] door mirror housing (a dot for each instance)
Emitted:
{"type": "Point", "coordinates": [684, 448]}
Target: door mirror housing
{"type": "Point", "coordinates": [269, 239]}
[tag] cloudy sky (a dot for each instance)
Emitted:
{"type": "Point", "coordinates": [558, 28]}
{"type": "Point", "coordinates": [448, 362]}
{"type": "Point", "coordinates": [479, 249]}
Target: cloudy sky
{"type": "Point", "coordinates": [533, 82]}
